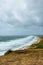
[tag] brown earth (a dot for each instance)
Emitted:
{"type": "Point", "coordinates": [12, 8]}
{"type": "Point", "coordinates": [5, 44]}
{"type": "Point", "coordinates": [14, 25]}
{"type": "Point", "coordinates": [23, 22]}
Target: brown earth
{"type": "Point", "coordinates": [23, 57]}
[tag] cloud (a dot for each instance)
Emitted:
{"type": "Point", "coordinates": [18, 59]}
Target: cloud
{"type": "Point", "coordinates": [21, 16]}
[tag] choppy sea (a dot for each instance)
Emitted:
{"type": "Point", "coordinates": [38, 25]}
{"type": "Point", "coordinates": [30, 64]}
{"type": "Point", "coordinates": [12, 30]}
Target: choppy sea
{"type": "Point", "coordinates": [15, 43]}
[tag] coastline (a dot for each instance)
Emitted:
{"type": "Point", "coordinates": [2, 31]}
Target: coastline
{"type": "Point", "coordinates": [18, 44]}
{"type": "Point", "coordinates": [38, 39]}
{"type": "Point", "coordinates": [29, 56]}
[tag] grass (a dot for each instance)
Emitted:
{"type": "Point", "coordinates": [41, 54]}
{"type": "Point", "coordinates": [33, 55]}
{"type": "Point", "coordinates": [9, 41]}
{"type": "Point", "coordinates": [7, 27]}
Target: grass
{"type": "Point", "coordinates": [23, 57]}
{"type": "Point", "coordinates": [39, 45]}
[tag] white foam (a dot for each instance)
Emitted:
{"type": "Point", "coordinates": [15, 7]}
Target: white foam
{"type": "Point", "coordinates": [16, 44]}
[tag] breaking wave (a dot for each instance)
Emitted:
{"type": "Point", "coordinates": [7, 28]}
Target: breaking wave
{"type": "Point", "coordinates": [17, 44]}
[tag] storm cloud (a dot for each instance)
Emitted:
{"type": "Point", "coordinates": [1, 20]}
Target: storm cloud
{"type": "Point", "coordinates": [19, 17]}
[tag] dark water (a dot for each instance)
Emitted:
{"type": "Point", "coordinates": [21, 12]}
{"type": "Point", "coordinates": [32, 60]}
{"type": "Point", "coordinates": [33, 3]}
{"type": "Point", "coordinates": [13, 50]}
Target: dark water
{"type": "Point", "coordinates": [8, 38]}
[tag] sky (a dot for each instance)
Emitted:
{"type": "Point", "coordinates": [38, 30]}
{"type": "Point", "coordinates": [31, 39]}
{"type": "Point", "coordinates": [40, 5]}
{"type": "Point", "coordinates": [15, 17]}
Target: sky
{"type": "Point", "coordinates": [21, 17]}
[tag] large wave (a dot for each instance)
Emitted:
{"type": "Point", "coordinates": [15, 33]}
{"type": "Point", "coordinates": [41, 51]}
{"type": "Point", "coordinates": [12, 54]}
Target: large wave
{"type": "Point", "coordinates": [17, 44]}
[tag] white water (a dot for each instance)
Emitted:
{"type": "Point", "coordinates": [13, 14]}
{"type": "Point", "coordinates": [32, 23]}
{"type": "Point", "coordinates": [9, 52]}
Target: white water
{"type": "Point", "coordinates": [18, 44]}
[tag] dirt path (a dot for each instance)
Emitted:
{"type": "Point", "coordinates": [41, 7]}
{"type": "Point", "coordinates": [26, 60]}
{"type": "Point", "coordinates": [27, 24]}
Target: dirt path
{"type": "Point", "coordinates": [26, 57]}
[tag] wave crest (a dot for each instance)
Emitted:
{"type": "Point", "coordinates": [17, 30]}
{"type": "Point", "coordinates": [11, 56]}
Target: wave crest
{"type": "Point", "coordinates": [18, 44]}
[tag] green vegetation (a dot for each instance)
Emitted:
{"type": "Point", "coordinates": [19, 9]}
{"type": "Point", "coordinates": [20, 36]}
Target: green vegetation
{"type": "Point", "coordinates": [38, 45]}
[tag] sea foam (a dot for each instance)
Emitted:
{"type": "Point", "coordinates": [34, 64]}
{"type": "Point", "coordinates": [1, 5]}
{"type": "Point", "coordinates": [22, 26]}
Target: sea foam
{"type": "Point", "coordinates": [17, 44]}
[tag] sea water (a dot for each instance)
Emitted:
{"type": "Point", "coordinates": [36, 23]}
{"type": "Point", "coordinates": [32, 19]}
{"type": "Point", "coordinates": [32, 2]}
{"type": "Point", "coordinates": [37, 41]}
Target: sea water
{"type": "Point", "coordinates": [15, 43]}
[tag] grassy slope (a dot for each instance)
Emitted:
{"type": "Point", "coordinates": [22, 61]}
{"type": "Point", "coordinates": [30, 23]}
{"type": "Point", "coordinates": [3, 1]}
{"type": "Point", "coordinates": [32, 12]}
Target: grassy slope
{"type": "Point", "coordinates": [38, 45]}
{"type": "Point", "coordinates": [26, 57]}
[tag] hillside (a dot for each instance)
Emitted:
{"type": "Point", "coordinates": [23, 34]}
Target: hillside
{"type": "Point", "coordinates": [38, 45]}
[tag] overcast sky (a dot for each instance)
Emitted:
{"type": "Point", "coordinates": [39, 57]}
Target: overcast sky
{"type": "Point", "coordinates": [21, 17]}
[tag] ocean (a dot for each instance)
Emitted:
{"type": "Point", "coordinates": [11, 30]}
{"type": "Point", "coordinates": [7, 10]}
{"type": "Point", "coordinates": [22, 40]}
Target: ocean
{"type": "Point", "coordinates": [15, 43]}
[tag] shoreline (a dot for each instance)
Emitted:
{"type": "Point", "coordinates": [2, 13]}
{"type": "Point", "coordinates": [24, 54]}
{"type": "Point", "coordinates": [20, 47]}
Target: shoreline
{"type": "Point", "coordinates": [29, 56]}
{"type": "Point", "coordinates": [36, 40]}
